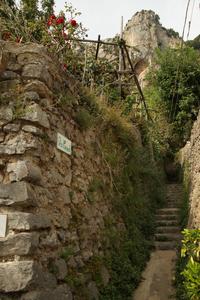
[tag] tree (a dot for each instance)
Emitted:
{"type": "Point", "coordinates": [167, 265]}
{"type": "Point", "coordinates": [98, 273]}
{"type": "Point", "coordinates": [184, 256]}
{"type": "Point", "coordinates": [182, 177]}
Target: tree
{"type": "Point", "coordinates": [29, 8]}
{"type": "Point", "coordinates": [11, 3]}
{"type": "Point", "coordinates": [48, 7]}
{"type": "Point", "coordinates": [195, 43]}
{"type": "Point", "coordinates": [175, 79]}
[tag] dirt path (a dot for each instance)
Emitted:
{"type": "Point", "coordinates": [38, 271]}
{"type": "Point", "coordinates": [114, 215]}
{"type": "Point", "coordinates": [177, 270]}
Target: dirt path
{"type": "Point", "coordinates": [159, 273]}
{"type": "Point", "coordinates": [157, 284]}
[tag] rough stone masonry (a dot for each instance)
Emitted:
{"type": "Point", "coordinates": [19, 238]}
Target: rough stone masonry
{"type": "Point", "coordinates": [42, 189]}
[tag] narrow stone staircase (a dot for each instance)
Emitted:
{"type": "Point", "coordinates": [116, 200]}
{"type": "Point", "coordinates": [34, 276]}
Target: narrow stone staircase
{"type": "Point", "coordinates": [157, 277]}
{"type": "Point", "coordinates": [168, 235]}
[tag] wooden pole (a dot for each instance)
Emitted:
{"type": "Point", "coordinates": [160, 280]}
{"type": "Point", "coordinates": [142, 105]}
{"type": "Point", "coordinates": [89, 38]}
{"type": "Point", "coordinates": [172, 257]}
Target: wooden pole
{"type": "Point", "coordinates": [120, 48]}
{"type": "Point", "coordinates": [120, 59]}
{"type": "Point", "coordinates": [98, 46]}
{"type": "Point", "coordinates": [136, 80]}
{"type": "Point", "coordinates": [101, 42]}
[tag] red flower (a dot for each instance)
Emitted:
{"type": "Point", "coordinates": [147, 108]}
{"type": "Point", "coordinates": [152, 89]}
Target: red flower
{"type": "Point", "coordinates": [49, 23]}
{"type": "Point", "coordinates": [73, 23]}
{"type": "Point", "coordinates": [64, 67]}
{"type": "Point", "coordinates": [51, 20]}
{"type": "Point", "coordinates": [52, 17]}
{"type": "Point", "coordinates": [60, 20]}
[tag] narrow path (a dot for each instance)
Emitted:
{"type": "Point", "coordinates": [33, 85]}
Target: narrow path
{"type": "Point", "coordinates": [157, 278]}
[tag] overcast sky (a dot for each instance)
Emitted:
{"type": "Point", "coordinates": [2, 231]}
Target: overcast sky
{"type": "Point", "coordinates": [103, 16]}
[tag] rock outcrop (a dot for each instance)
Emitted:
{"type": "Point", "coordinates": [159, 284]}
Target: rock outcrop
{"type": "Point", "coordinates": [145, 32]}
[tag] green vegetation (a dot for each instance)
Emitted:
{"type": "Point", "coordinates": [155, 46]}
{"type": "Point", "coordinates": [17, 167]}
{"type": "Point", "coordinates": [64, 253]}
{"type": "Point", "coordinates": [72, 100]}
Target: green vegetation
{"type": "Point", "coordinates": [95, 187]}
{"type": "Point", "coordinates": [174, 91]}
{"type": "Point", "coordinates": [189, 267]}
{"type": "Point", "coordinates": [135, 186]}
{"type": "Point", "coordinates": [194, 43]}
{"type": "Point", "coordinates": [136, 190]}
{"type": "Point", "coordinates": [172, 33]}
{"type": "Point", "coordinates": [134, 183]}
{"type": "Point", "coordinates": [66, 253]}
{"type": "Point", "coordinates": [137, 193]}
{"type": "Point", "coordinates": [84, 119]}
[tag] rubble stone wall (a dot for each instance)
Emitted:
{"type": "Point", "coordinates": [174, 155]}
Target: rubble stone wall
{"type": "Point", "coordinates": [52, 227]}
{"type": "Point", "coordinates": [190, 159]}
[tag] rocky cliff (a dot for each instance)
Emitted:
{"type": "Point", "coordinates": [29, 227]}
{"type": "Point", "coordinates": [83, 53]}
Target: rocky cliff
{"type": "Point", "coordinates": [145, 32]}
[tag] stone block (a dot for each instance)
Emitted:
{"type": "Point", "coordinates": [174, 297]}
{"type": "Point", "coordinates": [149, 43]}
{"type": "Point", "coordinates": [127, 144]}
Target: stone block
{"type": "Point", "coordinates": [19, 244]}
{"type": "Point", "coordinates": [13, 66]}
{"type": "Point", "coordinates": [35, 114]}
{"type": "Point", "coordinates": [23, 275]}
{"type": "Point", "coordinates": [20, 144]}
{"type": "Point", "coordinates": [63, 292]}
{"type": "Point", "coordinates": [64, 195]}
{"type": "Point", "coordinates": [60, 268]}
{"type": "Point", "coordinates": [32, 129]}
{"type": "Point", "coordinates": [8, 75]}
{"type": "Point", "coordinates": [3, 60]}
{"type": "Point", "coordinates": [68, 177]}
{"type": "Point", "coordinates": [50, 241]}
{"type": "Point", "coordinates": [40, 88]}
{"type": "Point", "coordinates": [17, 194]}
{"type": "Point", "coordinates": [93, 293]}
{"type": "Point", "coordinates": [2, 137]}
{"type": "Point", "coordinates": [31, 96]}
{"type": "Point", "coordinates": [6, 115]}
{"type": "Point", "coordinates": [39, 72]}
{"type": "Point", "coordinates": [11, 128]}
{"type": "Point", "coordinates": [25, 221]}
{"type": "Point", "coordinates": [9, 84]}
{"type": "Point", "coordinates": [23, 169]}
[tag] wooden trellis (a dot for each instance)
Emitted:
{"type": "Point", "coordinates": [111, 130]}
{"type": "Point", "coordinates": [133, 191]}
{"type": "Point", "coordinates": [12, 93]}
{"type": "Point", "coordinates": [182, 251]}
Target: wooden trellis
{"type": "Point", "coordinates": [123, 48]}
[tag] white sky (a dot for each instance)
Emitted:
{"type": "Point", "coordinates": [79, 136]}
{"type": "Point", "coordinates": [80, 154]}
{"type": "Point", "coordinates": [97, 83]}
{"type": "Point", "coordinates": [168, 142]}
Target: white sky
{"type": "Point", "coordinates": [103, 16]}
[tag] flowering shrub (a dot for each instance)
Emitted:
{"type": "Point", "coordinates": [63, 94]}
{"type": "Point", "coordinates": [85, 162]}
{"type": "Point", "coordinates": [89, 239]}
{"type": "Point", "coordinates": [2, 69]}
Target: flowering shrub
{"type": "Point", "coordinates": [57, 32]}
{"type": "Point", "coordinates": [14, 25]}
{"type": "Point", "coordinates": [61, 30]}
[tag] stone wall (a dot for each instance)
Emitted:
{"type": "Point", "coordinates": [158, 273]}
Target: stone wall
{"type": "Point", "coordinates": [190, 160]}
{"type": "Point", "coordinates": [52, 226]}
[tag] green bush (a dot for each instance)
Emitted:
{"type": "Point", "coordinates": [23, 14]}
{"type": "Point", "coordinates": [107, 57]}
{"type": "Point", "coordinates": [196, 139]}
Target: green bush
{"type": "Point", "coordinates": [84, 119]}
{"type": "Point", "coordinates": [138, 191]}
{"type": "Point", "coordinates": [175, 87]}
{"type": "Point", "coordinates": [190, 254]}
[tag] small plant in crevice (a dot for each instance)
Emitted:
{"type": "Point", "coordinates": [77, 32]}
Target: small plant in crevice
{"type": "Point", "coordinates": [95, 186]}
{"type": "Point", "coordinates": [84, 119]}
{"type": "Point", "coordinates": [67, 253]}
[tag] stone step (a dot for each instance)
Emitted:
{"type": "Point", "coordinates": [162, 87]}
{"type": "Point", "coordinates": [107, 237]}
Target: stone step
{"type": "Point", "coordinates": [168, 211]}
{"type": "Point", "coordinates": [166, 245]}
{"type": "Point", "coordinates": [167, 223]}
{"type": "Point", "coordinates": [170, 199]}
{"type": "Point", "coordinates": [168, 229]}
{"type": "Point", "coordinates": [166, 217]}
{"type": "Point", "coordinates": [164, 237]}
{"type": "Point", "coordinates": [173, 205]}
